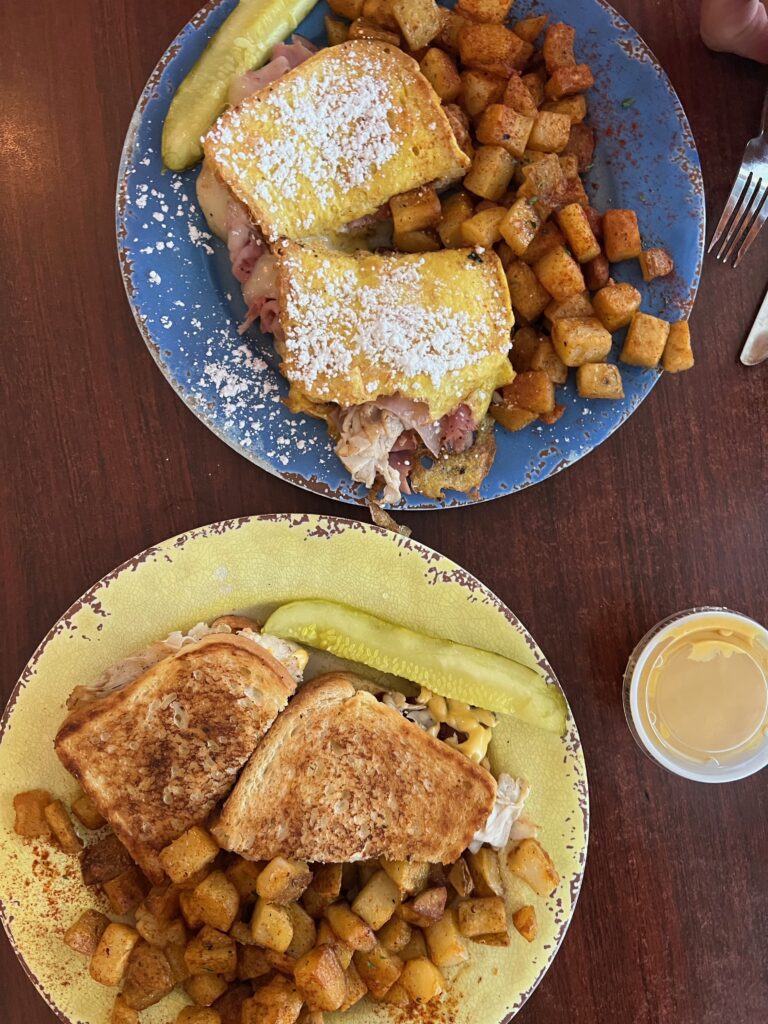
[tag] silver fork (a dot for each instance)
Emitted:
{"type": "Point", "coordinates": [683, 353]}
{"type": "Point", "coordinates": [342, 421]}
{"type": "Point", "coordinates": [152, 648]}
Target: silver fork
{"type": "Point", "coordinates": [747, 208]}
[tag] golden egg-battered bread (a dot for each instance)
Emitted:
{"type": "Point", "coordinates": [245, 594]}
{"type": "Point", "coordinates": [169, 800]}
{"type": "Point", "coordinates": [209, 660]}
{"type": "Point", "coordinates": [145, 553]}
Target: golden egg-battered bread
{"type": "Point", "coordinates": [341, 777]}
{"type": "Point", "coordinates": [333, 140]}
{"type": "Point", "coordinates": [157, 756]}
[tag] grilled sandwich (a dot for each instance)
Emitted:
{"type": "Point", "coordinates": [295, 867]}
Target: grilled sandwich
{"type": "Point", "coordinates": [343, 777]}
{"type": "Point", "coordinates": [158, 755]}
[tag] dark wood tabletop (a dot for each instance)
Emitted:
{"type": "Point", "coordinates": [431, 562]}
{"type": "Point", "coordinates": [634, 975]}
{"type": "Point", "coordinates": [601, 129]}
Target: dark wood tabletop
{"type": "Point", "coordinates": [100, 459]}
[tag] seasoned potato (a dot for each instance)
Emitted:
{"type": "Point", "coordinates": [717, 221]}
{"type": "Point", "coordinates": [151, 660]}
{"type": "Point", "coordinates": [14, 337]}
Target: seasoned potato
{"type": "Point", "coordinates": [422, 980]}
{"type": "Point", "coordinates": [336, 31]}
{"type": "Point", "coordinates": [524, 345]}
{"type": "Point", "coordinates": [125, 892]}
{"type": "Point", "coordinates": [520, 226]}
{"type": "Point", "coordinates": [419, 21]}
{"type": "Point", "coordinates": [194, 850]}
{"type": "Point", "coordinates": [198, 1015]}
{"type": "Point", "coordinates": [252, 963]}
{"type": "Point", "coordinates": [320, 979]}
{"type": "Point", "coordinates": [218, 901]}
{"type": "Point", "coordinates": [191, 910]}
{"type": "Point", "coordinates": [459, 123]}
{"type": "Point", "coordinates": [560, 274]}
{"type": "Point", "coordinates": [379, 969]}
{"type": "Point", "coordinates": [283, 880]}
{"type": "Point", "coordinates": [531, 862]}
{"type": "Point", "coordinates": [455, 210]}
{"type": "Point", "coordinates": [83, 934]}
{"type": "Point", "coordinates": [122, 1013]}
{"type": "Point", "coordinates": [326, 936]}
{"type": "Point", "coordinates": [415, 210]}
{"type": "Point", "coordinates": [395, 935]}
{"type": "Point", "coordinates": [517, 96]}
{"type": "Point", "coordinates": [621, 235]}
{"type": "Point", "coordinates": [511, 417]}
{"type": "Point", "coordinates": [349, 927]}
{"type": "Point", "coordinates": [500, 125]}
{"type": "Point", "coordinates": [616, 304]}
{"type": "Point", "coordinates": [29, 808]}
{"type": "Point", "coordinates": [148, 977]}
{"type": "Point", "coordinates": [493, 48]}
{"type": "Point", "coordinates": [569, 165]}
{"type": "Point", "coordinates": [567, 80]}
{"type": "Point", "coordinates": [87, 813]}
{"type": "Point", "coordinates": [558, 46]}
{"type": "Point", "coordinates": [490, 173]}
{"type": "Point", "coordinates": [459, 876]}
{"type": "Point", "coordinates": [532, 390]}
{"type": "Point", "coordinates": [645, 341]}
{"type": "Point", "coordinates": [416, 946]}
{"type": "Point", "coordinates": [550, 132]}
{"type": "Point", "coordinates": [678, 354]}
{"type": "Point", "coordinates": [530, 28]}
{"type": "Point", "coordinates": [597, 272]}
{"type": "Point", "coordinates": [574, 107]}
{"type": "Point", "coordinates": [271, 926]}
{"type": "Point", "coordinates": [376, 901]}
{"type": "Point", "coordinates": [425, 908]}
{"type": "Point", "coordinates": [362, 28]}
{"type": "Point", "coordinates": [162, 901]}
{"type": "Point", "coordinates": [534, 83]}
{"type": "Point", "coordinates": [60, 824]}
{"type": "Point", "coordinates": [243, 875]}
{"type": "Point", "coordinates": [655, 263]}
{"type": "Point", "coordinates": [543, 182]}
{"type": "Point", "coordinates": [478, 90]}
{"type": "Point", "coordinates": [380, 13]}
{"type": "Point", "coordinates": [484, 865]}
{"type": "Point", "coordinates": [599, 380]}
{"type": "Point", "coordinates": [110, 958]}
{"type": "Point", "coordinates": [581, 144]}
{"type": "Point", "coordinates": [445, 943]}
{"type": "Point", "coordinates": [574, 305]}
{"type": "Point", "coordinates": [493, 939]}
{"type": "Point", "coordinates": [448, 36]}
{"type": "Point", "coordinates": [484, 10]}
{"type": "Point", "coordinates": [483, 228]}
{"type": "Point", "coordinates": [416, 241]}
{"type": "Point", "coordinates": [578, 233]}
{"type": "Point", "coordinates": [529, 297]}
{"type": "Point", "coordinates": [350, 9]}
{"type": "Point", "coordinates": [548, 238]}
{"type": "Point", "coordinates": [211, 952]}
{"type": "Point", "coordinates": [175, 955]}
{"type": "Point", "coordinates": [355, 987]}
{"type": "Point", "coordinates": [281, 962]}
{"type": "Point", "coordinates": [440, 70]}
{"type": "Point", "coordinates": [579, 340]}
{"type": "Point", "coordinates": [277, 1002]}
{"type": "Point", "coordinates": [484, 915]}
{"type": "Point", "coordinates": [546, 359]}
{"type": "Point", "coordinates": [304, 931]}
{"type": "Point", "coordinates": [552, 417]}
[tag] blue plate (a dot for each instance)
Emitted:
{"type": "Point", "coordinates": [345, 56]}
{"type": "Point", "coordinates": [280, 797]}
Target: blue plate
{"type": "Point", "coordinates": [188, 306]}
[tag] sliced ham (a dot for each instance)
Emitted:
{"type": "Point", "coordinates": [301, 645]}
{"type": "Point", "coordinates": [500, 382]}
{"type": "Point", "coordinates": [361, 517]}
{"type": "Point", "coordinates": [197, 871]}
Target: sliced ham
{"type": "Point", "coordinates": [285, 56]}
{"type": "Point", "coordinates": [457, 429]}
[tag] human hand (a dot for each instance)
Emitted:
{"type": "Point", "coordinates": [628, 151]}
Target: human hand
{"type": "Point", "coordinates": [736, 26]}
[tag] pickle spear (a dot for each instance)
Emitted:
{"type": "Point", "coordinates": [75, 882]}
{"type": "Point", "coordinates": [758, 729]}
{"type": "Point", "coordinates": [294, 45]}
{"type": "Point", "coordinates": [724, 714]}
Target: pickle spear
{"type": "Point", "coordinates": [453, 670]}
{"type": "Point", "coordinates": [242, 42]}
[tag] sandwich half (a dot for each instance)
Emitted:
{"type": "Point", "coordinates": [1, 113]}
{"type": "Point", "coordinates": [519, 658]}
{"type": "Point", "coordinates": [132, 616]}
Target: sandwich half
{"type": "Point", "coordinates": [334, 139]}
{"type": "Point", "coordinates": [399, 353]}
{"type": "Point", "coordinates": [158, 755]}
{"type": "Point", "coordinates": [342, 777]}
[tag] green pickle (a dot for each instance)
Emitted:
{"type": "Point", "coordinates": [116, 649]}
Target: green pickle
{"type": "Point", "coordinates": [453, 670]}
{"type": "Point", "coordinates": [243, 42]}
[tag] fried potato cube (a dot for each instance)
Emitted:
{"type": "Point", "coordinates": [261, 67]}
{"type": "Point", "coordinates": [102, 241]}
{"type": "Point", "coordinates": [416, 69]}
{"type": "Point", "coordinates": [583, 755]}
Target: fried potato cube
{"type": "Point", "coordinates": [320, 979]}
{"type": "Point", "coordinates": [534, 83]}
{"type": "Point", "coordinates": [575, 107]}
{"type": "Point", "coordinates": [579, 340]}
{"type": "Point", "coordinates": [416, 241]}
{"type": "Point", "coordinates": [616, 304]}
{"type": "Point", "coordinates": [655, 263]}
{"type": "Point", "coordinates": [568, 80]}
{"type": "Point", "coordinates": [517, 96]}
{"type": "Point", "coordinates": [573, 306]}
{"type": "Point", "coordinates": [542, 183]}
{"type": "Point", "coordinates": [459, 875]}
{"type": "Point", "coordinates": [558, 46]}
{"type": "Point", "coordinates": [271, 926]}
{"type": "Point", "coordinates": [326, 936]}
{"type": "Point", "coordinates": [350, 9]}
{"type": "Point", "coordinates": [459, 123]}
{"type": "Point", "coordinates": [379, 969]}
{"type": "Point", "coordinates": [560, 274]}
{"type": "Point", "coordinates": [162, 901]}
{"type": "Point", "coordinates": [29, 808]}
{"type": "Point", "coordinates": [484, 10]}
{"type": "Point", "coordinates": [532, 390]}
{"type": "Point", "coordinates": [599, 380]}
{"type": "Point", "coordinates": [439, 69]}
{"type": "Point", "coordinates": [419, 21]}
{"type": "Point", "coordinates": [380, 13]}
{"type": "Point", "coordinates": [409, 876]}
{"type": "Point", "coordinates": [621, 235]}
{"type": "Point", "coordinates": [546, 359]}
{"type": "Point", "coordinates": [493, 48]}
{"type": "Point", "coordinates": [478, 90]}
{"type": "Point", "coordinates": [252, 963]}
{"type": "Point", "coordinates": [194, 850]}
{"type": "Point", "coordinates": [87, 813]}
{"type": "Point", "coordinates": [578, 233]}
{"type": "Point", "coordinates": [511, 417]}
{"type": "Point", "coordinates": [597, 272]}
{"type": "Point", "coordinates": [552, 417]}
{"type": "Point", "coordinates": [110, 958]}
{"type": "Point", "coordinates": [304, 931]}
{"type": "Point", "coordinates": [125, 892]}
{"type": "Point", "coordinates": [646, 338]}
{"type": "Point", "coordinates": [218, 901]}
{"type": "Point", "coordinates": [531, 862]}
{"type": "Point", "coordinates": [198, 1015]}
{"type": "Point", "coordinates": [277, 1002]}
{"type": "Point", "coordinates": [191, 910]}
{"type": "Point", "coordinates": [397, 996]}
{"type": "Point", "coordinates": [455, 210]}
{"type": "Point", "coordinates": [336, 31]}
{"type": "Point", "coordinates": [148, 977]}
{"type": "Point", "coordinates": [211, 952]}
{"type": "Point", "coordinates": [524, 345]}
{"type": "Point", "coordinates": [502, 126]}
{"type": "Point", "coordinates": [493, 939]}
{"type": "Point", "coordinates": [176, 959]}
{"type": "Point", "coordinates": [550, 132]}
{"type": "Point", "coordinates": [377, 900]}
{"type": "Point", "coordinates": [581, 143]}
{"type": "Point", "coordinates": [103, 860]}
{"type": "Point", "coordinates": [283, 880]}
{"type": "Point", "coordinates": [122, 1013]}
{"type": "Point", "coordinates": [528, 297]}
{"type": "Point", "coordinates": [569, 164]}
{"type": "Point", "coordinates": [83, 935]}
{"type": "Point", "coordinates": [519, 226]}
{"type": "Point", "coordinates": [548, 238]}
{"type": "Point", "coordinates": [362, 28]}
{"type": "Point", "coordinates": [484, 915]}
{"type": "Point", "coordinates": [349, 927]}
{"type": "Point", "coordinates": [416, 946]}
{"type": "Point", "coordinates": [530, 29]}
{"type": "Point", "coordinates": [445, 943]}
{"type": "Point", "coordinates": [244, 874]}
{"type": "Point", "coordinates": [484, 228]}
{"type": "Point", "coordinates": [355, 987]}
{"type": "Point", "coordinates": [425, 908]}
{"type": "Point", "coordinates": [395, 935]}
{"type": "Point", "coordinates": [422, 980]}
{"type": "Point", "coordinates": [448, 36]}
{"type": "Point", "coordinates": [60, 824]}
{"type": "Point", "coordinates": [415, 210]}
{"type": "Point", "coordinates": [490, 173]}
{"type": "Point", "coordinates": [678, 354]}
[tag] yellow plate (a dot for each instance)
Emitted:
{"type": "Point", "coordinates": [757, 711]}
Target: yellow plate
{"type": "Point", "coordinates": [252, 565]}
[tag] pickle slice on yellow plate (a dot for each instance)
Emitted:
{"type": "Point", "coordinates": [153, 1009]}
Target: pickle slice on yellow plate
{"type": "Point", "coordinates": [243, 42]}
{"type": "Point", "coordinates": [454, 670]}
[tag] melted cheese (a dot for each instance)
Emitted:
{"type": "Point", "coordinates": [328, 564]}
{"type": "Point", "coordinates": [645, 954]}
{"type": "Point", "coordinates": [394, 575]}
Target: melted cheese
{"type": "Point", "coordinates": [474, 722]}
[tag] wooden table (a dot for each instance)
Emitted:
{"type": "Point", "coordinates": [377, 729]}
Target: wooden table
{"type": "Point", "coordinates": [100, 459]}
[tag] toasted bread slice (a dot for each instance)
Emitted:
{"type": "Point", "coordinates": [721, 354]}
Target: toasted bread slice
{"type": "Point", "coordinates": [333, 140]}
{"type": "Point", "coordinates": [432, 327]}
{"type": "Point", "coordinates": [157, 756]}
{"type": "Point", "coordinates": [341, 777]}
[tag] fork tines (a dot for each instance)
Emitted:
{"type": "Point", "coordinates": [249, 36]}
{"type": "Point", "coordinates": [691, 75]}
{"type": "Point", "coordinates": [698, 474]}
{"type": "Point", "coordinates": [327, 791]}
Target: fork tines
{"type": "Point", "coordinates": [745, 212]}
